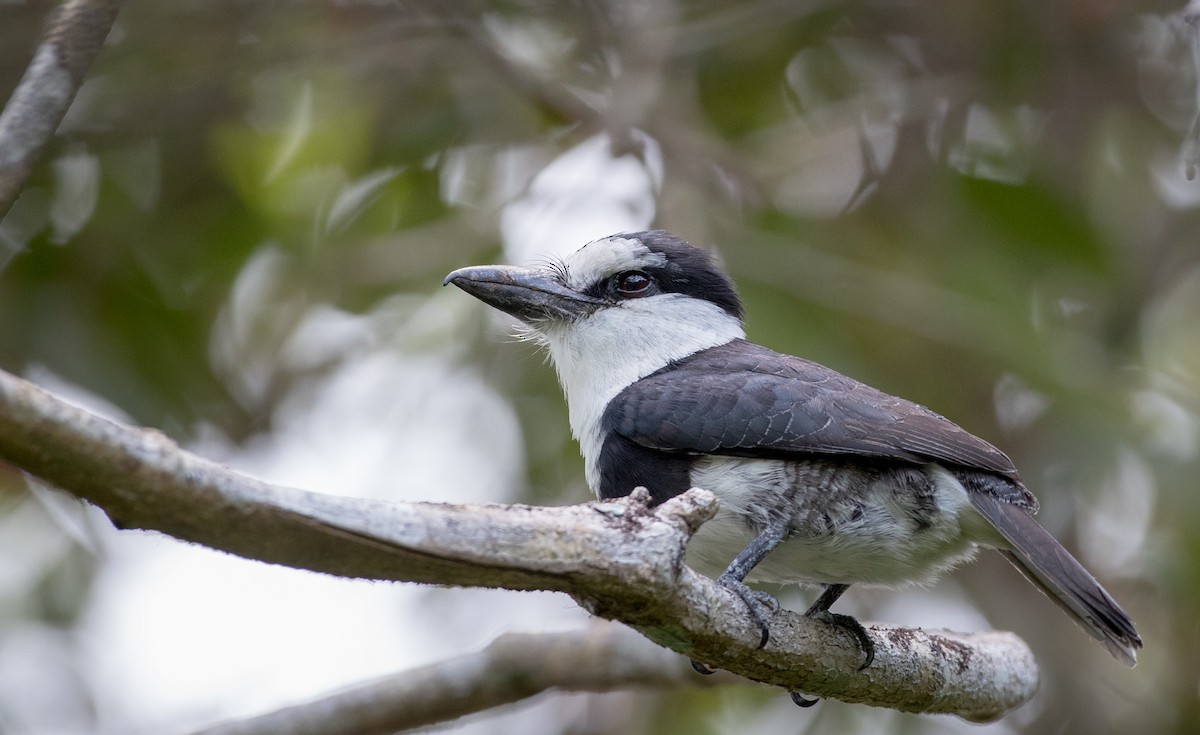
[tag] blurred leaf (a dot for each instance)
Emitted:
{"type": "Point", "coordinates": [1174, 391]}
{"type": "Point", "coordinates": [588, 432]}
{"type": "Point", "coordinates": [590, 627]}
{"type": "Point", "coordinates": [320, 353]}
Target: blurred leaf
{"type": "Point", "coordinates": [302, 137]}
{"type": "Point", "coordinates": [1039, 225]}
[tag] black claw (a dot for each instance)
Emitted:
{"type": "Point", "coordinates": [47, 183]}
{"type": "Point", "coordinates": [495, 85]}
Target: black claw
{"type": "Point", "coordinates": [854, 628]}
{"type": "Point", "coordinates": [766, 633]}
{"type": "Point", "coordinates": [701, 668]}
{"type": "Point", "coordinates": [801, 700]}
{"type": "Point", "coordinates": [820, 610]}
{"type": "Point", "coordinates": [754, 600]}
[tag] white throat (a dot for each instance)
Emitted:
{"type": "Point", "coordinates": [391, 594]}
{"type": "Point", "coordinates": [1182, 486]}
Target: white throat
{"type": "Point", "coordinates": [615, 347]}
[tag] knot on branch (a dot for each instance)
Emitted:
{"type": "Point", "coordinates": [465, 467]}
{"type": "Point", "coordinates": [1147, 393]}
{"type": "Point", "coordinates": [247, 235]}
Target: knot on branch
{"type": "Point", "coordinates": [686, 511]}
{"type": "Point", "coordinates": [691, 508]}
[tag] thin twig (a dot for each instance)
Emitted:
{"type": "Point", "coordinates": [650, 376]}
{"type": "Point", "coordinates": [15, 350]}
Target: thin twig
{"type": "Point", "coordinates": [38, 104]}
{"type": "Point", "coordinates": [515, 666]}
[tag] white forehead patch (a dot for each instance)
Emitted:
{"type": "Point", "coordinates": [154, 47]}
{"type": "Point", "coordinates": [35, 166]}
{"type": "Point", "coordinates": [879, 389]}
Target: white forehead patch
{"type": "Point", "coordinates": [606, 256]}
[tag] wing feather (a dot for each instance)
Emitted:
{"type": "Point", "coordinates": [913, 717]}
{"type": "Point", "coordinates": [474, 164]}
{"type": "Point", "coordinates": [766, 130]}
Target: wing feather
{"type": "Point", "coordinates": [746, 400]}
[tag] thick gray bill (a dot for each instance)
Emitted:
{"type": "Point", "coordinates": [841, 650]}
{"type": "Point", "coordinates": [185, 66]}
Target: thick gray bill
{"type": "Point", "coordinates": [530, 295]}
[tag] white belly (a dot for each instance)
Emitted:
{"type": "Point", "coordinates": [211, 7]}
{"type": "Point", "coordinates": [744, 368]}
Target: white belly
{"type": "Point", "coordinates": [863, 536]}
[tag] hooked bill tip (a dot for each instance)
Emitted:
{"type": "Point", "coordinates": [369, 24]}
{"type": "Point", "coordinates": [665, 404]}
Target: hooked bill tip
{"type": "Point", "coordinates": [450, 278]}
{"type": "Point", "coordinates": [453, 276]}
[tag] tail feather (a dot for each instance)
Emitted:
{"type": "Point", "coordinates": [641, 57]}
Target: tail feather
{"type": "Point", "coordinates": [1052, 569]}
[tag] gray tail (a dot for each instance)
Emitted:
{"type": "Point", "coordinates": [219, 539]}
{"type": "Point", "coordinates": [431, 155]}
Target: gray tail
{"type": "Point", "coordinates": [1048, 565]}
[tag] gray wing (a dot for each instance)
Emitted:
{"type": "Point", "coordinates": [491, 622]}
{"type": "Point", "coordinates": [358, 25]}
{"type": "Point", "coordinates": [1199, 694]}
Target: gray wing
{"type": "Point", "coordinates": [745, 400]}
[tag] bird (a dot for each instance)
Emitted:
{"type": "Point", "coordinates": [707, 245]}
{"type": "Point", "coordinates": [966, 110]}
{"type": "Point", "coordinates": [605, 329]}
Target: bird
{"type": "Point", "coordinates": [822, 480]}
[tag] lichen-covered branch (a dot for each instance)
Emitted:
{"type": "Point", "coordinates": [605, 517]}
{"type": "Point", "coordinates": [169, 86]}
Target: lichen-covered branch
{"type": "Point", "coordinates": [621, 559]}
{"type": "Point", "coordinates": [72, 41]}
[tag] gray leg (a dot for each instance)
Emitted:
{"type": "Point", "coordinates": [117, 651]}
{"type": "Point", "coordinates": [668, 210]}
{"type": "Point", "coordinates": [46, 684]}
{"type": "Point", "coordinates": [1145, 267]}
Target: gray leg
{"type": "Point", "coordinates": [741, 566]}
{"type": "Point", "coordinates": [731, 579]}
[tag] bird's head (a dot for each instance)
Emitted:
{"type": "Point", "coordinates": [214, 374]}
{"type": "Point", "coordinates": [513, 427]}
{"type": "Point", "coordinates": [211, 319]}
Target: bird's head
{"type": "Point", "coordinates": [615, 310]}
{"type": "Point", "coordinates": [650, 273]}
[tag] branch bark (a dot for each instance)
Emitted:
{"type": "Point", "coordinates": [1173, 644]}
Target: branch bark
{"type": "Point", "coordinates": [38, 104]}
{"type": "Point", "coordinates": [622, 560]}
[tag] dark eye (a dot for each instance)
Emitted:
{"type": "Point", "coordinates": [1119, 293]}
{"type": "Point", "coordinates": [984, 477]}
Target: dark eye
{"type": "Point", "coordinates": [632, 283]}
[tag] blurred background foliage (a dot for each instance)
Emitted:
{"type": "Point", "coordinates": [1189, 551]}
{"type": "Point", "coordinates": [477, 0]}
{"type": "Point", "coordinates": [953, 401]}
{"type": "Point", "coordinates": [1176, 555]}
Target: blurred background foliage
{"type": "Point", "coordinates": [242, 227]}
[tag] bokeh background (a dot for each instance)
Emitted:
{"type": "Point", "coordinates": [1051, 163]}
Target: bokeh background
{"type": "Point", "coordinates": [240, 232]}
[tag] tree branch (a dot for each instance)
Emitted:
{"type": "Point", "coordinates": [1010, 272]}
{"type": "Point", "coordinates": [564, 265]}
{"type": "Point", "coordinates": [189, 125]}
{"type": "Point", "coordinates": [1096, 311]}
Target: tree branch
{"type": "Point", "coordinates": [620, 559]}
{"type": "Point", "coordinates": [38, 104]}
{"type": "Point", "coordinates": [515, 666]}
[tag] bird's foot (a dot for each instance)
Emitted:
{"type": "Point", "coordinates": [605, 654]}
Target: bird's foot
{"type": "Point", "coordinates": [851, 626]}
{"type": "Point", "coordinates": [754, 600]}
